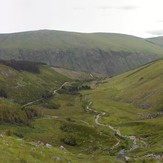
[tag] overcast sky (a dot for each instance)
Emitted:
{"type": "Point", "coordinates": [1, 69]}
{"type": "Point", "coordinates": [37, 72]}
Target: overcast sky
{"type": "Point", "coordinates": [142, 18]}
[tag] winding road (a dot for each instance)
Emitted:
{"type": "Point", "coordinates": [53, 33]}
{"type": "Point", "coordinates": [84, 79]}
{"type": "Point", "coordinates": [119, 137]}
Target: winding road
{"type": "Point", "coordinates": [54, 92]}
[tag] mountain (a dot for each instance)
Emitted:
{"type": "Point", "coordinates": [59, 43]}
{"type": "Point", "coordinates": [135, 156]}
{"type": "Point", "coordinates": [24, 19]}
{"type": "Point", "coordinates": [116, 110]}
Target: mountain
{"type": "Point", "coordinates": [105, 53]}
{"type": "Point", "coordinates": [156, 40]}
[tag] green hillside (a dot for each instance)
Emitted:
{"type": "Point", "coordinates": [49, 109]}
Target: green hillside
{"type": "Point", "coordinates": [97, 52]}
{"type": "Point", "coordinates": [156, 40]}
{"type": "Point", "coordinates": [133, 104]}
{"type": "Point", "coordinates": [24, 86]}
{"type": "Point", "coordinates": [38, 116]}
{"type": "Point", "coordinates": [48, 117]}
{"type": "Point", "coordinates": [29, 153]}
{"type": "Point", "coordinates": [143, 86]}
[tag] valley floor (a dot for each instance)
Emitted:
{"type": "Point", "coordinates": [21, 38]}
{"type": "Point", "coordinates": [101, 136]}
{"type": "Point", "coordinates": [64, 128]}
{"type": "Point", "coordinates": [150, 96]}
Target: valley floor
{"type": "Point", "coordinates": [103, 121]}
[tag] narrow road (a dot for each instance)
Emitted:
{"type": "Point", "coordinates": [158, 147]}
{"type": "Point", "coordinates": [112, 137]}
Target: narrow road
{"type": "Point", "coordinates": [32, 102]}
{"type": "Point", "coordinates": [54, 92]}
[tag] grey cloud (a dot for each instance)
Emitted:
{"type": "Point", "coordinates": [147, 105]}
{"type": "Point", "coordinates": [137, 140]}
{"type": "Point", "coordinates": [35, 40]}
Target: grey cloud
{"type": "Point", "coordinates": [128, 7]}
{"type": "Point", "coordinates": [118, 7]}
{"type": "Point", "coordinates": [105, 7]}
{"type": "Point", "coordinates": [160, 21]}
{"type": "Point", "coordinates": [79, 8]}
{"type": "Point", "coordinates": [156, 32]}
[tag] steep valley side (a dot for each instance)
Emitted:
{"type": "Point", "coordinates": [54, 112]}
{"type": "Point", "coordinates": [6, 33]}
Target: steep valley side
{"type": "Point", "coordinates": [98, 61]}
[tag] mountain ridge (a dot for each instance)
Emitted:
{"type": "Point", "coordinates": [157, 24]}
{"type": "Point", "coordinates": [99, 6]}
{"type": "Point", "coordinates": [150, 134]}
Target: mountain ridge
{"type": "Point", "coordinates": [156, 40]}
{"type": "Point", "coordinates": [105, 53]}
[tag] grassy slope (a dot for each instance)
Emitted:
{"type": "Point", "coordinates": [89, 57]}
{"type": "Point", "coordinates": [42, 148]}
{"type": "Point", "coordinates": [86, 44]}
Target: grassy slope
{"type": "Point", "coordinates": [27, 153]}
{"type": "Point", "coordinates": [64, 40]}
{"type": "Point", "coordinates": [77, 75]}
{"type": "Point", "coordinates": [23, 87]}
{"type": "Point", "coordinates": [93, 142]}
{"type": "Point", "coordinates": [156, 40]}
{"type": "Point", "coordinates": [123, 97]}
{"type": "Point", "coordinates": [92, 145]}
{"type": "Point", "coordinates": [143, 87]}
{"type": "Point", "coordinates": [97, 52]}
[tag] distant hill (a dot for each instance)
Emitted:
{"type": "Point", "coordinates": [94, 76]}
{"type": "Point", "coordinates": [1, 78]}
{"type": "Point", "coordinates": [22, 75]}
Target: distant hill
{"type": "Point", "coordinates": [156, 40]}
{"type": "Point", "coordinates": [104, 53]}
